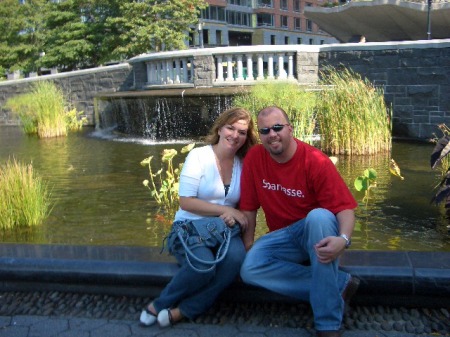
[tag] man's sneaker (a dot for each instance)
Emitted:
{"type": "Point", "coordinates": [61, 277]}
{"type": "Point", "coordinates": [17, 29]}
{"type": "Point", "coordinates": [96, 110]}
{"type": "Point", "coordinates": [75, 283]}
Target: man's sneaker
{"type": "Point", "coordinates": [350, 289]}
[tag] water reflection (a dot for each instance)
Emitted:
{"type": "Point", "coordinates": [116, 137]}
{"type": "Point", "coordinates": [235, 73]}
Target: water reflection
{"type": "Point", "coordinates": [96, 180]}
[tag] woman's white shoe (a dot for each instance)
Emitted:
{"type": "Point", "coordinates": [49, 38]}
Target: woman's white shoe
{"type": "Point", "coordinates": [165, 318]}
{"type": "Point", "coordinates": [147, 318]}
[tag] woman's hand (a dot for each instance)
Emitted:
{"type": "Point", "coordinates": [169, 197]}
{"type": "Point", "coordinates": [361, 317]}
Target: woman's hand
{"type": "Point", "coordinates": [232, 215]}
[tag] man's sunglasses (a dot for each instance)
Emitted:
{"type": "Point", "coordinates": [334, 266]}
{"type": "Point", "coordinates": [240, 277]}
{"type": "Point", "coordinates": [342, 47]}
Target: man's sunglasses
{"type": "Point", "coordinates": [276, 128]}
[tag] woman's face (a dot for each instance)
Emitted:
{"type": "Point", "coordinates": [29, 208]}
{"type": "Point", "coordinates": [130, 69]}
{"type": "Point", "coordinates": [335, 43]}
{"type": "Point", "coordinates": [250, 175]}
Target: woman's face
{"type": "Point", "coordinates": [233, 136]}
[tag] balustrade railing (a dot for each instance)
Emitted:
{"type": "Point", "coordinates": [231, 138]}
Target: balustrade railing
{"type": "Point", "coordinates": [223, 65]}
{"type": "Point", "coordinates": [254, 66]}
{"type": "Point", "coordinates": [169, 71]}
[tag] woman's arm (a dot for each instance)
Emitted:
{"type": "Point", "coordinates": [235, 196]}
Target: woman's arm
{"type": "Point", "coordinates": [204, 208]}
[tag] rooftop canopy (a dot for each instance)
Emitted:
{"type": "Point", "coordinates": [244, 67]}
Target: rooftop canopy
{"type": "Point", "coordinates": [383, 20]}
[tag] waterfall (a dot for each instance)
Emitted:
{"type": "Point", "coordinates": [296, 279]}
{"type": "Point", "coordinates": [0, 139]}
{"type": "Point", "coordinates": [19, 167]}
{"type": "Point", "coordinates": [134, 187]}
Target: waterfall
{"type": "Point", "coordinates": [160, 118]}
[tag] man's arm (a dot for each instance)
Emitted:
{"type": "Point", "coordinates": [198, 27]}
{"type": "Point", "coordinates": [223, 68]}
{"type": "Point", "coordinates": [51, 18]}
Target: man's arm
{"type": "Point", "coordinates": [328, 249]}
{"type": "Point", "coordinates": [248, 236]}
{"type": "Point", "coordinates": [346, 220]}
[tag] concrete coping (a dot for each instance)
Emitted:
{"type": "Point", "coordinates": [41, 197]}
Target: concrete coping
{"type": "Point", "coordinates": [144, 271]}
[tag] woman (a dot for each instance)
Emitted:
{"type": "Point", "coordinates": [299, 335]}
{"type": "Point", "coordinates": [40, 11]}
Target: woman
{"type": "Point", "coordinates": [209, 189]}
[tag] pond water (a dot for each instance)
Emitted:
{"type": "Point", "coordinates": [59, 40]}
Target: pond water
{"type": "Point", "coordinates": [96, 182]}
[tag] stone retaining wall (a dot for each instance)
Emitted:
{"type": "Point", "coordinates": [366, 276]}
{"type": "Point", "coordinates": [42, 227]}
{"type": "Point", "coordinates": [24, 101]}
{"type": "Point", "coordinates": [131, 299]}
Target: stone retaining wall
{"type": "Point", "coordinates": [415, 76]}
{"type": "Point", "coordinates": [81, 86]}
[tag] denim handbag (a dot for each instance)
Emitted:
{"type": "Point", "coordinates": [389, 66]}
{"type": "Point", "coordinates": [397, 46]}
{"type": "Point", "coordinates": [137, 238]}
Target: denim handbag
{"type": "Point", "coordinates": [211, 232]}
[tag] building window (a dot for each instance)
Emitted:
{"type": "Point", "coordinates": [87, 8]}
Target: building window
{"type": "Point", "coordinates": [284, 5]}
{"type": "Point", "coordinates": [265, 3]}
{"type": "Point", "coordinates": [284, 21]}
{"type": "Point", "coordinates": [272, 39]}
{"type": "Point", "coordinates": [264, 19]}
{"type": "Point", "coordinates": [299, 40]}
{"type": "Point", "coordinates": [245, 3]}
{"type": "Point", "coordinates": [213, 13]}
{"type": "Point", "coordinates": [311, 41]}
{"type": "Point", "coordinates": [297, 24]}
{"type": "Point", "coordinates": [308, 25]}
{"type": "Point", "coordinates": [205, 36]}
{"type": "Point", "coordinates": [218, 37]}
{"type": "Point", "coordinates": [239, 18]}
{"type": "Point", "coordinates": [297, 6]}
{"type": "Point", "coordinates": [221, 14]}
{"type": "Point", "coordinates": [286, 40]}
{"type": "Point", "coordinates": [322, 41]}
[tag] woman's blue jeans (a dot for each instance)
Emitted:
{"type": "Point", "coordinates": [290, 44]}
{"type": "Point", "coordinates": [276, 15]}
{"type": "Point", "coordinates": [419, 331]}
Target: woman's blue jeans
{"type": "Point", "coordinates": [195, 292]}
{"type": "Point", "coordinates": [275, 263]}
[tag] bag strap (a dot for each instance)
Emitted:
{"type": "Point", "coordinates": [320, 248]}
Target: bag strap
{"type": "Point", "coordinates": [219, 255]}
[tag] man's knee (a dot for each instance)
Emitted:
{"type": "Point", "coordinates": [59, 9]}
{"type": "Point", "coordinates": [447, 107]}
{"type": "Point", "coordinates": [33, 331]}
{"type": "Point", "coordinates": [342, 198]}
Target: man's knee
{"type": "Point", "coordinates": [320, 215]}
{"type": "Point", "coordinates": [321, 223]}
{"type": "Point", "coordinates": [248, 270]}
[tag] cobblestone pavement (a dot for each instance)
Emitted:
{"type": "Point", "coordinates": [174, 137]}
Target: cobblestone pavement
{"type": "Point", "coordinates": [35, 314]}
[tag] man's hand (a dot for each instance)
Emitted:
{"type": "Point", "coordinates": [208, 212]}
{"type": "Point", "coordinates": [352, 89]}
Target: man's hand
{"type": "Point", "coordinates": [329, 249]}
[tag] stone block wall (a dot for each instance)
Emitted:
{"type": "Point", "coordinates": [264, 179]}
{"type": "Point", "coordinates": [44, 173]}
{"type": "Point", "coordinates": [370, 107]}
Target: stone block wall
{"type": "Point", "coordinates": [205, 71]}
{"type": "Point", "coordinates": [80, 86]}
{"type": "Point", "coordinates": [415, 77]}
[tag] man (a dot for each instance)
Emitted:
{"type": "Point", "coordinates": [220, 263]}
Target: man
{"type": "Point", "coordinates": [310, 214]}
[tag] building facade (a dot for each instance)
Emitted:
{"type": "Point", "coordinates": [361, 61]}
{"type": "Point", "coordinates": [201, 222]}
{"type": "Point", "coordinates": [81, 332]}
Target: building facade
{"type": "Point", "coordinates": [258, 22]}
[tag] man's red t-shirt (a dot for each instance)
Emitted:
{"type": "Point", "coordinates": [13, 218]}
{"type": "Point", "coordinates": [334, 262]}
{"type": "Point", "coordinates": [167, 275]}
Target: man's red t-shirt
{"type": "Point", "coordinates": [287, 192]}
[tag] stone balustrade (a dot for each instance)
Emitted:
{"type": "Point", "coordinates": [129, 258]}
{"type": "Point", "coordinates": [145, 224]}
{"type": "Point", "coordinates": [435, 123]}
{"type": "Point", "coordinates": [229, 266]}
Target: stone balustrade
{"type": "Point", "coordinates": [224, 66]}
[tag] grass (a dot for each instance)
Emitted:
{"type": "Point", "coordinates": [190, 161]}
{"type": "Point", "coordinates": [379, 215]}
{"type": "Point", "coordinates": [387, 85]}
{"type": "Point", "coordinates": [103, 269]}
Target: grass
{"type": "Point", "coordinates": [352, 114]}
{"type": "Point", "coordinates": [348, 113]}
{"type": "Point", "coordinates": [299, 104]}
{"type": "Point", "coordinates": [44, 111]}
{"type": "Point", "coordinates": [25, 198]}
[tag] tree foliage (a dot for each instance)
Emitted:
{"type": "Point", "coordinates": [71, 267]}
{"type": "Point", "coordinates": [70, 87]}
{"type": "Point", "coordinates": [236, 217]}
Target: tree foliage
{"type": "Point", "coordinates": [21, 37]}
{"type": "Point", "coordinates": [74, 34]}
{"type": "Point", "coordinates": [153, 25]}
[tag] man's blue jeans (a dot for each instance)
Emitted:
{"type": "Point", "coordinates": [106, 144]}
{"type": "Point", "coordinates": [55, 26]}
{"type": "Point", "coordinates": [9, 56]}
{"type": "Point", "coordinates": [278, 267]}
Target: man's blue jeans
{"type": "Point", "coordinates": [195, 292]}
{"type": "Point", "coordinates": [275, 263]}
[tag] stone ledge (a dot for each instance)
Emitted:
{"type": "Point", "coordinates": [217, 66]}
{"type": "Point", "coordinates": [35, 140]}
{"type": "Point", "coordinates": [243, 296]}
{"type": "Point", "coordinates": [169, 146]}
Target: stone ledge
{"type": "Point", "coordinates": [386, 277]}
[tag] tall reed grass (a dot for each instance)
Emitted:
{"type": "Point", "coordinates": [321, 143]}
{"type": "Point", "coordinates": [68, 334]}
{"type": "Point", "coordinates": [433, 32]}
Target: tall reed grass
{"type": "Point", "coordinates": [25, 198]}
{"type": "Point", "coordinates": [298, 103]}
{"type": "Point", "coordinates": [44, 111]}
{"type": "Point", "coordinates": [352, 115]}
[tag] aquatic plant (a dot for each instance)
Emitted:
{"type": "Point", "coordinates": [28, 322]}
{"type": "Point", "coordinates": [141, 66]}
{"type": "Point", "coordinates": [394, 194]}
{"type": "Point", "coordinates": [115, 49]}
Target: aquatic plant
{"type": "Point", "coordinates": [44, 111]}
{"type": "Point", "coordinates": [440, 158]}
{"type": "Point", "coordinates": [352, 115]}
{"type": "Point", "coordinates": [25, 197]}
{"type": "Point", "coordinates": [163, 184]}
{"type": "Point", "coordinates": [298, 103]}
{"type": "Point", "coordinates": [366, 182]}
{"type": "Point", "coordinates": [395, 169]}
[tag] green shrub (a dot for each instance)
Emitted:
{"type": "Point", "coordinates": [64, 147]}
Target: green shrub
{"type": "Point", "coordinates": [25, 198]}
{"type": "Point", "coordinates": [44, 111]}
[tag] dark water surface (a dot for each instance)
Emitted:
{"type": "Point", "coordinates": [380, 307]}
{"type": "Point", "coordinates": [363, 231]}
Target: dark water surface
{"type": "Point", "coordinates": [96, 182]}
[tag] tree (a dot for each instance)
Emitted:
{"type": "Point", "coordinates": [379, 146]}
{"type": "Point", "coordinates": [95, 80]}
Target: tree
{"type": "Point", "coordinates": [153, 25]}
{"type": "Point", "coordinates": [74, 33]}
{"type": "Point", "coordinates": [21, 38]}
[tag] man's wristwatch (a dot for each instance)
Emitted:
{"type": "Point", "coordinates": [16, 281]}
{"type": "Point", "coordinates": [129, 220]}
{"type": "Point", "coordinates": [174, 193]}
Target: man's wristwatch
{"type": "Point", "coordinates": [348, 241]}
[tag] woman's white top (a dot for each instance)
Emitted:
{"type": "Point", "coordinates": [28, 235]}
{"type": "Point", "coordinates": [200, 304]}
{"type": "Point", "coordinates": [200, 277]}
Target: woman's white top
{"type": "Point", "coordinates": [200, 178]}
